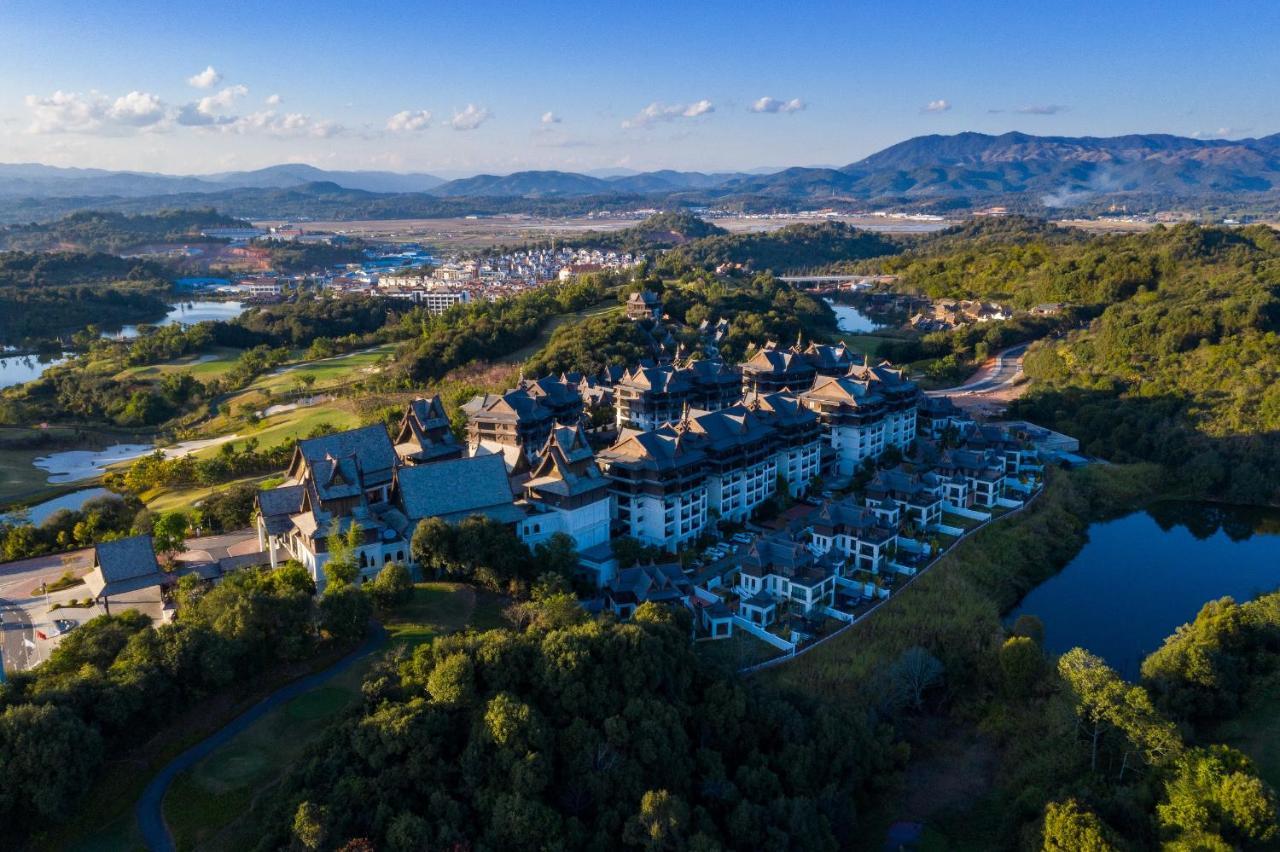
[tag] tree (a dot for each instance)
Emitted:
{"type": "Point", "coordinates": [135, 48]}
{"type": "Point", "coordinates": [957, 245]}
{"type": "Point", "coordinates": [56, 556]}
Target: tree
{"type": "Point", "coordinates": [1103, 699]}
{"type": "Point", "coordinates": [48, 755]}
{"type": "Point", "coordinates": [660, 824]}
{"type": "Point", "coordinates": [169, 534]}
{"type": "Point", "coordinates": [393, 585]}
{"type": "Point", "coordinates": [913, 673]}
{"type": "Point", "coordinates": [1021, 664]}
{"type": "Point", "coordinates": [557, 555]}
{"type": "Point", "coordinates": [1214, 792]}
{"type": "Point", "coordinates": [341, 568]}
{"type": "Point", "coordinates": [434, 545]}
{"type": "Point", "coordinates": [1069, 827]}
{"type": "Point", "coordinates": [344, 613]}
{"type": "Point", "coordinates": [1030, 626]}
{"type": "Point", "coordinates": [309, 825]}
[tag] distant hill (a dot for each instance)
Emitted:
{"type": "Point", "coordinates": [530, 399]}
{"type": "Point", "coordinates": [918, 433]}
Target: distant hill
{"type": "Point", "coordinates": [1029, 173]}
{"type": "Point", "coordinates": [32, 180]}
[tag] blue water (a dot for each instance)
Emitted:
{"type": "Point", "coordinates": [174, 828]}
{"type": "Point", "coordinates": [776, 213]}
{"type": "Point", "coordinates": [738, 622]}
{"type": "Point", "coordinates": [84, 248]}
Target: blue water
{"type": "Point", "coordinates": [41, 512]}
{"type": "Point", "coordinates": [19, 369]}
{"type": "Point", "coordinates": [187, 313]}
{"type": "Point", "coordinates": [849, 318]}
{"type": "Point", "coordinates": [1142, 576]}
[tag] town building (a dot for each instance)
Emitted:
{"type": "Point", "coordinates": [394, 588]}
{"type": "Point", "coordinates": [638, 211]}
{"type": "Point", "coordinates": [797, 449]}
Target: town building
{"type": "Point", "coordinates": [567, 493]}
{"type": "Point", "coordinates": [332, 483]}
{"type": "Point", "coordinates": [649, 396]}
{"type": "Point", "coordinates": [512, 421]}
{"type": "Point", "coordinates": [779, 569]}
{"type": "Point", "coordinates": [658, 479]}
{"type": "Point", "coordinates": [856, 532]}
{"type": "Point", "coordinates": [425, 434]}
{"type": "Point", "coordinates": [644, 305]}
{"type": "Point", "coordinates": [771, 369]}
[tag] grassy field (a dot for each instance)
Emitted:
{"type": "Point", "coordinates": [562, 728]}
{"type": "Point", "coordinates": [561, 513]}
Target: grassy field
{"type": "Point", "coordinates": [211, 365]}
{"type": "Point", "coordinates": [206, 805]}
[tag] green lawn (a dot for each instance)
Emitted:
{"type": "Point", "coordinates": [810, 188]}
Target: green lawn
{"type": "Point", "coordinates": [207, 805]}
{"type": "Point", "coordinates": [205, 366]}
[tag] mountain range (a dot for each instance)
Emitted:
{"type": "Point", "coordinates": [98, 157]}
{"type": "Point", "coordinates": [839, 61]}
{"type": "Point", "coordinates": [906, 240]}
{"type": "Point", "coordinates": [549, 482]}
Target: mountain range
{"type": "Point", "coordinates": [958, 170]}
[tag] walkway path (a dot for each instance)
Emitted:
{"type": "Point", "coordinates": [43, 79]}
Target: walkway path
{"type": "Point", "coordinates": [150, 807]}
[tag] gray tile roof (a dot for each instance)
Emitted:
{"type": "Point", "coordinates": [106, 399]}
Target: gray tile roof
{"type": "Point", "coordinates": [457, 488]}
{"type": "Point", "coordinates": [126, 558]}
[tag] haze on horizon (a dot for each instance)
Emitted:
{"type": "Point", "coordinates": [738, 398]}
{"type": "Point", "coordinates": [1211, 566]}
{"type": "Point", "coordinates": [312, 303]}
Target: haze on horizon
{"type": "Point", "coordinates": [483, 87]}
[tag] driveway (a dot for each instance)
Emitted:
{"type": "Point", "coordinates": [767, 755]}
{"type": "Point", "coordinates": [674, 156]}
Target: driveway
{"type": "Point", "coordinates": [150, 807]}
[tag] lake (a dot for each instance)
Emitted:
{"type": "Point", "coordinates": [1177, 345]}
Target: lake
{"type": "Point", "coordinates": [18, 369]}
{"type": "Point", "coordinates": [1142, 576]}
{"type": "Point", "coordinates": [849, 318]}
{"type": "Point", "coordinates": [40, 512]}
{"type": "Point", "coordinates": [187, 313]}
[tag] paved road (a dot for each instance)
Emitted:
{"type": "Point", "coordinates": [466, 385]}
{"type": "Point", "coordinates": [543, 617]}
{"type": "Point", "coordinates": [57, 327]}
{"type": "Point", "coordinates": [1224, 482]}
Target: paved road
{"type": "Point", "coordinates": [1006, 370]}
{"type": "Point", "coordinates": [150, 807]}
{"type": "Point", "coordinates": [18, 607]}
{"type": "Point", "coordinates": [15, 626]}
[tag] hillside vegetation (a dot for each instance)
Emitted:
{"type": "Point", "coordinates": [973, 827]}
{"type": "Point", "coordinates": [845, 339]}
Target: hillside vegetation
{"type": "Point", "coordinates": [97, 231]}
{"type": "Point", "coordinates": [1176, 357]}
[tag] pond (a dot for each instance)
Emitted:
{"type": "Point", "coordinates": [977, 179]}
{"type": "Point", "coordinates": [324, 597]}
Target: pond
{"type": "Point", "coordinates": [76, 465]}
{"type": "Point", "coordinates": [18, 369]}
{"type": "Point", "coordinates": [1141, 576]}
{"type": "Point", "coordinates": [40, 512]}
{"type": "Point", "coordinates": [187, 313]}
{"type": "Point", "coordinates": [849, 318]}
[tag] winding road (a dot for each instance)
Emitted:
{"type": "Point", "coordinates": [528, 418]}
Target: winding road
{"type": "Point", "coordinates": [1006, 370]}
{"type": "Point", "coordinates": [150, 806]}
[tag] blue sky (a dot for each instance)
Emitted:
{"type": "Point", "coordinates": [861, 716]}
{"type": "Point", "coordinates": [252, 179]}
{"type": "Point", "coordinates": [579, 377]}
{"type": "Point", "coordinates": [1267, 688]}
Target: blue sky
{"type": "Point", "coordinates": [699, 84]}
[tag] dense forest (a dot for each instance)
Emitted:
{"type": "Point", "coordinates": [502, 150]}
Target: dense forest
{"type": "Point", "coordinates": [795, 248]}
{"type": "Point", "coordinates": [579, 734]}
{"type": "Point", "coordinates": [99, 231]}
{"type": "Point", "coordinates": [1167, 348]}
{"type": "Point", "coordinates": [45, 295]}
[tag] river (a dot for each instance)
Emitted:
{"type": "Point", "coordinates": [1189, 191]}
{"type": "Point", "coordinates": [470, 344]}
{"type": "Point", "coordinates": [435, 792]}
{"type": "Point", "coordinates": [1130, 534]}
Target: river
{"type": "Point", "coordinates": [1141, 576]}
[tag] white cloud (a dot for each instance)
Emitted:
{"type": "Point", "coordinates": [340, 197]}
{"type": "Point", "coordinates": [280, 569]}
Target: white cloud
{"type": "Point", "coordinates": [273, 100]}
{"type": "Point", "coordinates": [74, 112]}
{"type": "Point", "coordinates": [550, 117]}
{"type": "Point", "coordinates": [66, 112]}
{"type": "Point", "coordinates": [940, 105]}
{"type": "Point", "coordinates": [206, 79]}
{"type": "Point", "coordinates": [270, 123]}
{"type": "Point", "coordinates": [1221, 133]}
{"type": "Point", "coordinates": [409, 120]}
{"type": "Point", "coordinates": [470, 118]}
{"type": "Point", "coordinates": [139, 109]}
{"type": "Point", "coordinates": [224, 100]}
{"type": "Point", "coordinates": [663, 112]}
{"type": "Point", "coordinates": [1041, 109]}
{"type": "Point", "coordinates": [772, 105]}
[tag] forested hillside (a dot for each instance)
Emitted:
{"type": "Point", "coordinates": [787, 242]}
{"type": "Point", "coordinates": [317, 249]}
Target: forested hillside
{"type": "Point", "coordinates": [1176, 356]}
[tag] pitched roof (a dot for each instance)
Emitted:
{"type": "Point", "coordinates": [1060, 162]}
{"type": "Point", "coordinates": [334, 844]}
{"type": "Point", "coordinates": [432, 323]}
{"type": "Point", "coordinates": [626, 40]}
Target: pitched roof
{"type": "Point", "coordinates": [369, 450]}
{"type": "Point", "coordinates": [124, 565]}
{"type": "Point", "coordinates": [456, 489]}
